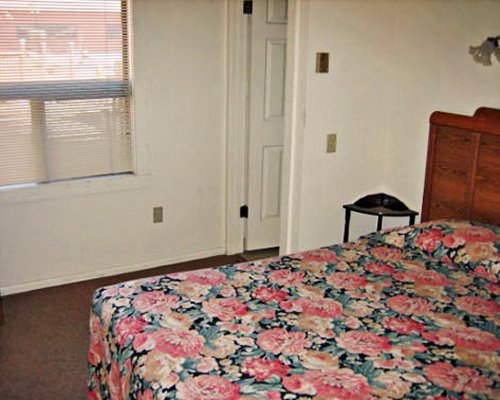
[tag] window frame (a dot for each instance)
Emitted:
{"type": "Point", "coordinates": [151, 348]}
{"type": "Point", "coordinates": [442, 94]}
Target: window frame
{"type": "Point", "coordinates": [138, 177]}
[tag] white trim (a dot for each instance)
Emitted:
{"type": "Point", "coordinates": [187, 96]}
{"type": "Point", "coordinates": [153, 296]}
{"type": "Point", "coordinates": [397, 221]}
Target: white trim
{"type": "Point", "coordinates": [295, 119]}
{"type": "Point", "coordinates": [140, 99]}
{"type": "Point", "coordinates": [237, 37]}
{"type": "Point", "coordinates": [84, 276]}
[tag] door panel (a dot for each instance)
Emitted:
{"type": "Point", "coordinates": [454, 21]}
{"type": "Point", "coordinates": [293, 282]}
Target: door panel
{"type": "Point", "coordinates": [271, 182]}
{"type": "Point", "coordinates": [275, 79]}
{"type": "Point", "coordinates": [277, 11]}
{"type": "Point", "coordinates": [267, 94]}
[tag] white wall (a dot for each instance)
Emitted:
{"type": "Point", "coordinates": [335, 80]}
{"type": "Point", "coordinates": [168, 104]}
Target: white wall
{"type": "Point", "coordinates": [393, 62]}
{"type": "Point", "coordinates": [77, 231]}
{"type": "Point", "coordinates": [431, 71]}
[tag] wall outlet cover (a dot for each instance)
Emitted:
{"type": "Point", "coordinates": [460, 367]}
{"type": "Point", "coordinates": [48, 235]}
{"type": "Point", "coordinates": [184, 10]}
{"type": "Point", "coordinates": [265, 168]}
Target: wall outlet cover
{"type": "Point", "coordinates": [157, 214]}
{"type": "Point", "coordinates": [331, 143]}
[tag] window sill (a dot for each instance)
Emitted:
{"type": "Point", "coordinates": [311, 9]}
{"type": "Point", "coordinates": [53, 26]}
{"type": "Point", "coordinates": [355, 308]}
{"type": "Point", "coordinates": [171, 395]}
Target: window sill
{"type": "Point", "coordinates": [72, 188]}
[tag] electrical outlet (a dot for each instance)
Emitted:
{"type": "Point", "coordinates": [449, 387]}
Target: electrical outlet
{"type": "Point", "coordinates": [157, 214]}
{"type": "Point", "coordinates": [331, 143]}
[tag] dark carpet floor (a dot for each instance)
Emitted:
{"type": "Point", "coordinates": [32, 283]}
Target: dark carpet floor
{"type": "Point", "coordinates": [44, 335]}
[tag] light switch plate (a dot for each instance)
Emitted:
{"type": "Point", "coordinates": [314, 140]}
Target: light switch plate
{"type": "Point", "coordinates": [331, 143]}
{"type": "Point", "coordinates": [322, 63]}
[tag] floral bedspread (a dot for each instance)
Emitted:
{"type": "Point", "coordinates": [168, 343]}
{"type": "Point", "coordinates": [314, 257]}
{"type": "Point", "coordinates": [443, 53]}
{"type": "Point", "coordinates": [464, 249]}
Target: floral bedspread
{"type": "Point", "coordinates": [406, 313]}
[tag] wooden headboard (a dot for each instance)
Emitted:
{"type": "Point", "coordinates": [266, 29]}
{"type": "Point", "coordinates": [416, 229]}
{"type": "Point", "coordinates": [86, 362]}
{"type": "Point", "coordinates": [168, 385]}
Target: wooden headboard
{"type": "Point", "coordinates": [462, 178]}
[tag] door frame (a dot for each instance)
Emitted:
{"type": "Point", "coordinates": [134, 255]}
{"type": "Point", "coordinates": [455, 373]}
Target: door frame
{"type": "Point", "coordinates": [237, 40]}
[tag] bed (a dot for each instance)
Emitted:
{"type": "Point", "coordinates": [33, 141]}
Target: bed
{"type": "Point", "coordinates": [409, 312]}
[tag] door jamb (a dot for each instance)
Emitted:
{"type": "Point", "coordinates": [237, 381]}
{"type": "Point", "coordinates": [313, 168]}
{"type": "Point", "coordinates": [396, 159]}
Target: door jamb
{"type": "Point", "coordinates": [236, 124]}
{"type": "Point", "coordinates": [294, 124]}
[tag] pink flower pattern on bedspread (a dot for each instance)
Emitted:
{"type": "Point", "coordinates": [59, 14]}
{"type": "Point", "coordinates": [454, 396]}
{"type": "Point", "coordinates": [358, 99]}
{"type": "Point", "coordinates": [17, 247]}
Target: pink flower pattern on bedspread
{"type": "Point", "coordinates": [410, 312]}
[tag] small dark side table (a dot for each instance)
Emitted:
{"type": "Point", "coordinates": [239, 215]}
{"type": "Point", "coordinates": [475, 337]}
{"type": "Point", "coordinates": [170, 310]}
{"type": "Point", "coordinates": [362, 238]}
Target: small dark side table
{"type": "Point", "coordinates": [380, 204]}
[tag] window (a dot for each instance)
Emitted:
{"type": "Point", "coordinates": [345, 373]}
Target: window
{"type": "Point", "coordinates": [65, 93]}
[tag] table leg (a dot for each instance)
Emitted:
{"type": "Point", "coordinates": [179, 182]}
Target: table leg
{"type": "Point", "coordinates": [412, 220]}
{"type": "Point", "coordinates": [379, 223]}
{"type": "Point", "coordinates": [346, 225]}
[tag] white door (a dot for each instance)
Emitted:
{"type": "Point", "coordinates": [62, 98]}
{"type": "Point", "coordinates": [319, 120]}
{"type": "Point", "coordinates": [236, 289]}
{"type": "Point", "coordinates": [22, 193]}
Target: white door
{"type": "Point", "coordinates": [267, 97]}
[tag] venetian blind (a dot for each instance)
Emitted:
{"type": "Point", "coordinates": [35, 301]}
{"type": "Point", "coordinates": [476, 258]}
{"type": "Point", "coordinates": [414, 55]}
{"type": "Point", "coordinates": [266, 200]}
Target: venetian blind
{"type": "Point", "coordinates": [64, 90]}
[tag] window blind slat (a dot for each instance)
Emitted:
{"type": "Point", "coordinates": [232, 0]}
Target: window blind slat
{"type": "Point", "coordinates": [64, 90]}
{"type": "Point", "coordinates": [90, 89]}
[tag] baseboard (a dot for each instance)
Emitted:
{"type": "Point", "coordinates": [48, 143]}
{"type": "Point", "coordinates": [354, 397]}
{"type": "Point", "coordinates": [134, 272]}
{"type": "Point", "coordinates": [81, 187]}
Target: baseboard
{"type": "Point", "coordinates": [73, 278]}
